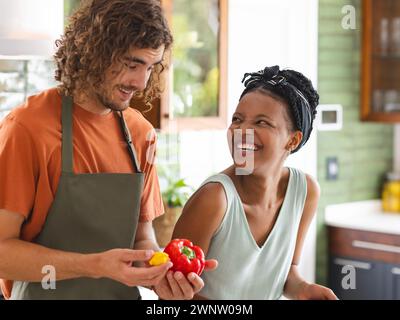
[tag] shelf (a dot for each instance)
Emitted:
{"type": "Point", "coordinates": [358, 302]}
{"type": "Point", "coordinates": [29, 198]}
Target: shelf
{"type": "Point", "coordinates": [378, 71]}
{"type": "Point", "coordinates": [388, 57]}
{"type": "Point", "coordinates": [390, 117]}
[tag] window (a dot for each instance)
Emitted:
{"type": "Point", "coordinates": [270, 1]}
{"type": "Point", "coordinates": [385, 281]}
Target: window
{"type": "Point", "coordinates": [195, 97]}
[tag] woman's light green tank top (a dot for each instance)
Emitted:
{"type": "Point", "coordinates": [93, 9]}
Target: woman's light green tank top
{"type": "Point", "coordinates": [245, 270]}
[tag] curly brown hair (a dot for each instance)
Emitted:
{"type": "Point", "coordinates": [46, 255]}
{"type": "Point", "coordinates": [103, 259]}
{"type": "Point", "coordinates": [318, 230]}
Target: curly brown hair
{"type": "Point", "coordinates": [97, 36]}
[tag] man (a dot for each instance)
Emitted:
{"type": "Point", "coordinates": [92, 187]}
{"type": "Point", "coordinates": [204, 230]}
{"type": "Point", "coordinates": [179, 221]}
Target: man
{"type": "Point", "coordinates": [76, 190]}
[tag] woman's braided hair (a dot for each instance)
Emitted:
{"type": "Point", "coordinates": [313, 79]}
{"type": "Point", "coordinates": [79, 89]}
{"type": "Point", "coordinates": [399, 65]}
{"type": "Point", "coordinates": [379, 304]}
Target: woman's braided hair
{"type": "Point", "coordinates": [262, 81]}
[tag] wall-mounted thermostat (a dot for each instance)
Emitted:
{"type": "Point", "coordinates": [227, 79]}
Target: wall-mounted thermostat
{"type": "Point", "coordinates": [329, 117]}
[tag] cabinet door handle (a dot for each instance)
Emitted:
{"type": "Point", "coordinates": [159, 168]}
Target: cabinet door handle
{"type": "Point", "coordinates": [375, 246]}
{"type": "Point", "coordinates": [396, 271]}
{"type": "Point", "coordinates": [355, 264]}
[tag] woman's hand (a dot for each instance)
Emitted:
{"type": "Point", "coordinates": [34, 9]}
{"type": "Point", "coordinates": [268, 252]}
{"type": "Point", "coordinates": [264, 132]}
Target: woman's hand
{"type": "Point", "coordinates": [312, 291]}
{"type": "Point", "coordinates": [175, 286]}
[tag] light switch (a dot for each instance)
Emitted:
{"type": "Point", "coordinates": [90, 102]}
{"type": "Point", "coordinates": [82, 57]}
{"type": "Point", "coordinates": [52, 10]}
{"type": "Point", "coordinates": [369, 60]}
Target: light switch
{"type": "Point", "coordinates": [332, 168]}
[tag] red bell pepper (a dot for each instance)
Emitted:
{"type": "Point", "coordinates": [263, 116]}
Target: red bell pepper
{"type": "Point", "coordinates": [185, 256]}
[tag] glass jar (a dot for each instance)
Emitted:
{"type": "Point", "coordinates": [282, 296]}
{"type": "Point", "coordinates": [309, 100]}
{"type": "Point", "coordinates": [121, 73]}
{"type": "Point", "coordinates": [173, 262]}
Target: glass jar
{"type": "Point", "coordinates": [396, 36]}
{"type": "Point", "coordinates": [384, 36]}
{"type": "Point", "coordinates": [391, 193]}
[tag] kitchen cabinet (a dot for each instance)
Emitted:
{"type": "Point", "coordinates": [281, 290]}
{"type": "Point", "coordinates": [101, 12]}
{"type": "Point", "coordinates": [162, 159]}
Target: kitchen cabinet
{"type": "Point", "coordinates": [392, 273]}
{"type": "Point", "coordinates": [375, 259]}
{"type": "Point", "coordinates": [380, 68]}
{"type": "Point", "coordinates": [367, 281]}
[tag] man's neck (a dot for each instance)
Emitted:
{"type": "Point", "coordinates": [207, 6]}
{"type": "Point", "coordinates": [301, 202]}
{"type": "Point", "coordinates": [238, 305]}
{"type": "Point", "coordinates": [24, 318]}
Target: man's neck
{"type": "Point", "coordinates": [90, 103]}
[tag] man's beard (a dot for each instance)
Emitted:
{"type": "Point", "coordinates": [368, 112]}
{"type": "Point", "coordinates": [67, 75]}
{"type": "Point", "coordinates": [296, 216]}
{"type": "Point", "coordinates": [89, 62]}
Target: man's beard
{"type": "Point", "coordinates": [104, 99]}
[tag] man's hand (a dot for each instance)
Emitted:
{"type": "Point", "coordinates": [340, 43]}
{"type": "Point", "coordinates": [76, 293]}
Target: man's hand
{"type": "Point", "coordinates": [175, 286]}
{"type": "Point", "coordinates": [116, 264]}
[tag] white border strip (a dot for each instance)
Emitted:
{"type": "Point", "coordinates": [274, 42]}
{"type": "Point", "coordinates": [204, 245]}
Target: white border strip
{"type": "Point", "coordinates": [375, 246]}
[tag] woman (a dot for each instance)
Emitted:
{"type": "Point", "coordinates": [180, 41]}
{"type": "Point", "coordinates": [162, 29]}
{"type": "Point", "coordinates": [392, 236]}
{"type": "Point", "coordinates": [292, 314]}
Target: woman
{"type": "Point", "coordinates": [253, 216]}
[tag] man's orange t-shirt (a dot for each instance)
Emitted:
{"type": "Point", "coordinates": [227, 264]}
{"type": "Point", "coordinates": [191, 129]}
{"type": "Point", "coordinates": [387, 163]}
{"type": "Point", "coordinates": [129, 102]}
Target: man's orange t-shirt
{"type": "Point", "coordinates": [30, 157]}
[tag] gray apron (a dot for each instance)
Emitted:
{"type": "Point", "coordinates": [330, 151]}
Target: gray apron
{"type": "Point", "coordinates": [90, 213]}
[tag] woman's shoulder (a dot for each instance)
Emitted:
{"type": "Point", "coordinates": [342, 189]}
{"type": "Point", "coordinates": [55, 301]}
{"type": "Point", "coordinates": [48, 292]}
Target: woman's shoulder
{"type": "Point", "coordinates": [313, 188]}
{"type": "Point", "coordinates": [211, 194]}
{"type": "Point", "coordinates": [304, 187]}
{"type": "Point", "coordinates": [202, 214]}
{"type": "Point", "coordinates": [309, 180]}
{"type": "Point", "coordinates": [209, 201]}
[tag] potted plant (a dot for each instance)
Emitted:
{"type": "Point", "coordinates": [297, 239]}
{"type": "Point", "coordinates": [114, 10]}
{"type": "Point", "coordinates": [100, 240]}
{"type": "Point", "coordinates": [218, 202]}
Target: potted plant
{"type": "Point", "coordinates": [174, 195]}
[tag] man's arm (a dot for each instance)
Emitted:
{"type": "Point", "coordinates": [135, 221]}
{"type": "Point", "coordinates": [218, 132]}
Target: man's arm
{"type": "Point", "coordinates": [145, 238]}
{"type": "Point", "coordinates": [22, 260]}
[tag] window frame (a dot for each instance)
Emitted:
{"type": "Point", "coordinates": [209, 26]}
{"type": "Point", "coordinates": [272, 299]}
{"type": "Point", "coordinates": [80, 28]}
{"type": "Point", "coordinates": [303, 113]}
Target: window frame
{"type": "Point", "coordinates": [169, 123]}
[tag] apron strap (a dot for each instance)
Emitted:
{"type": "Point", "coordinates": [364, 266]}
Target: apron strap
{"type": "Point", "coordinates": [66, 132]}
{"type": "Point", "coordinates": [128, 139]}
{"type": "Point", "coordinates": [67, 154]}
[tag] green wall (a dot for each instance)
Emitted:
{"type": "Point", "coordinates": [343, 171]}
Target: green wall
{"type": "Point", "coordinates": [364, 150]}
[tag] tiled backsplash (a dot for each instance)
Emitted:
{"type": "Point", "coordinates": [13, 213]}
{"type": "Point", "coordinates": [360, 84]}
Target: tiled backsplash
{"type": "Point", "coordinates": [364, 150]}
{"type": "Point", "coordinates": [396, 146]}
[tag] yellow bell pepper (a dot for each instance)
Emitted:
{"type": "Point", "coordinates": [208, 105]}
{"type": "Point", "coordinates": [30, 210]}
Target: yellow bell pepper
{"type": "Point", "coordinates": [159, 258]}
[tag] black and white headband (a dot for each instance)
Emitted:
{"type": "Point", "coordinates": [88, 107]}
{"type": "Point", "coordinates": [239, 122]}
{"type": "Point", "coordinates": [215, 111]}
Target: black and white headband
{"type": "Point", "coordinates": [264, 79]}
